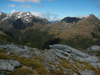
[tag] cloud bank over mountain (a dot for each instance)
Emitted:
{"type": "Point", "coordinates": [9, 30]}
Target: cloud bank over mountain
{"type": "Point", "coordinates": [48, 15]}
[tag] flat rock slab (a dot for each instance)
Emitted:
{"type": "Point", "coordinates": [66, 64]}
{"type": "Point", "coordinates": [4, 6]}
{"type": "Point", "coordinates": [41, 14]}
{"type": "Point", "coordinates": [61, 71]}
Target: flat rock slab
{"type": "Point", "coordinates": [73, 53]}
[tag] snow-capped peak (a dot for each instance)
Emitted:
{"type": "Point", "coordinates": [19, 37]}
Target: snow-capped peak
{"type": "Point", "coordinates": [20, 14]}
{"type": "Point", "coordinates": [25, 16]}
{"type": "Point", "coordinates": [13, 11]}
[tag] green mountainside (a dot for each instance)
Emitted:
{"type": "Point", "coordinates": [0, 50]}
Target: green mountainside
{"type": "Point", "coordinates": [38, 32]}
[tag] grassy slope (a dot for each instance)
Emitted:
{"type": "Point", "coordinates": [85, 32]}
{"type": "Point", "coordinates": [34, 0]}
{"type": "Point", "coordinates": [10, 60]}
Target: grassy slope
{"type": "Point", "coordinates": [81, 35]}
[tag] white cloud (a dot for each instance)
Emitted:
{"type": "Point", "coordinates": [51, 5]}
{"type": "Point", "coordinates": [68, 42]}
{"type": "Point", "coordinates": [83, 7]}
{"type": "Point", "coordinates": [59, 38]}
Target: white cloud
{"type": "Point", "coordinates": [14, 11]}
{"type": "Point", "coordinates": [38, 14]}
{"type": "Point", "coordinates": [99, 16]}
{"type": "Point", "coordinates": [47, 15]}
{"type": "Point", "coordinates": [41, 6]}
{"type": "Point", "coordinates": [48, 12]}
{"type": "Point", "coordinates": [11, 5]}
{"type": "Point", "coordinates": [80, 16]}
{"type": "Point", "coordinates": [55, 19]}
{"type": "Point", "coordinates": [51, 17]}
{"type": "Point", "coordinates": [23, 1]}
{"type": "Point", "coordinates": [25, 6]}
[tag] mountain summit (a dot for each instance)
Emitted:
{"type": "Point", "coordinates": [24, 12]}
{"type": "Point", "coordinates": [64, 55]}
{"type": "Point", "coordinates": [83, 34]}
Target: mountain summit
{"type": "Point", "coordinates": [72, 31]}
{"type": "Point", "coordinates": [71, 19]}
{"type": "Point", "coordinates": [92, 17]}
{"type": "Point", "coordinates": [20, 20]}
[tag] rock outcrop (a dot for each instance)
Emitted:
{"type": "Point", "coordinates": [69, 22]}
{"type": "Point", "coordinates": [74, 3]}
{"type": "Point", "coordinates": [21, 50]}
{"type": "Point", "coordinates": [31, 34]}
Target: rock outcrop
{"type": "Point", "coordinates": [9, 65]}
{"type": "Point", "coordinates": [57, 57]}
{"type": "Point", "coordinates": [73, 53]}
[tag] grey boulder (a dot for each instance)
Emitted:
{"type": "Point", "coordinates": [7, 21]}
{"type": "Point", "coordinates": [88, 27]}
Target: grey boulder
{"type": "Point", "coordinates": [16, 50]}
{"type": "Point", "coordinates": [26, 56]}
{"type": "Point", "coordinates": [14, 63]}
{"type": "Point", "coordinates": [1, 46]}
{"type": "Point", "coordinates": [6, 66]}
{"type": "Point", "coordinates": [93, 48]}
{"type": "Point", "coordinates": [9, 65]}
{"type": "Point", "coordinates": [86, 72]}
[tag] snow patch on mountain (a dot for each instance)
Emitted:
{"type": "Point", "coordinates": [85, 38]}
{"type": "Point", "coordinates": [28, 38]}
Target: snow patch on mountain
{"type": "Point", "coordinates": [23, 15]}
{"type": "Point", "coordinates": [0, 13]}
{"type": "Point", "coordinates": [5, 18]}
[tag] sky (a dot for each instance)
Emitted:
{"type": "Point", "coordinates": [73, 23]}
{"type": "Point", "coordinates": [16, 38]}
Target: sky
{"type": "Point", "coordinates": [53, 9]}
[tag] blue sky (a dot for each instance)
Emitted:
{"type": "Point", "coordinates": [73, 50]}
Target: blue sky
{"type": "Point", "coordinates": [53, 9]}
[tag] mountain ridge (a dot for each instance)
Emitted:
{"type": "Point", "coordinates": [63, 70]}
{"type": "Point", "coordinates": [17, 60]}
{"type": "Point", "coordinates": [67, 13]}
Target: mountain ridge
{"type": "Point", "coordinates": [69, 30]}
{"type": "Point", "coordinates": [24, 18]}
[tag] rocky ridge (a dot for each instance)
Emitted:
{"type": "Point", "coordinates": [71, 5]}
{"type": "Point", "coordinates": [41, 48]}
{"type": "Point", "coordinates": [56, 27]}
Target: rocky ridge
{"type": "Point", "coordinates": [20, 25]}
{"type": "Point", "coordinates": [58, 57]}
{"type": "Point", "coordinates": [71, 19]}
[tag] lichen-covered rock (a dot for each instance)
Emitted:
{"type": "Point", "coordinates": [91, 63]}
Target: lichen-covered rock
{"type": "Point", "coordinates": [96, 64]}
{"type": "Point", "coordinates": [26, 56]}
{"type": "Point", "coordinates": [8, 53]}
{"type": "Point", "coordinates": [16, 50]}
{"type": "Point", "coordinates": [86, 72]}
{"type": "Point", "coordinates": [93, 48]}
{"type": "Point", "coordinates": [59, 56]}
{"type": "Point", "coordinates": [1, 46]}
{"type": "Point", "coordinates": [71, 53]}
{"type": "Point", "coordinates": [14, 63]}
{"type": "Point", "coordinates": [8, 65]}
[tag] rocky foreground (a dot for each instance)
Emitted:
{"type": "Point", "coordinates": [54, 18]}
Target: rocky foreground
{"type": "Point", "coordinates": [58, 60]}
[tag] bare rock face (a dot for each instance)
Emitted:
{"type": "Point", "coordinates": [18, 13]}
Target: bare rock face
{"type": "Point", "coordinates": [71, 19]}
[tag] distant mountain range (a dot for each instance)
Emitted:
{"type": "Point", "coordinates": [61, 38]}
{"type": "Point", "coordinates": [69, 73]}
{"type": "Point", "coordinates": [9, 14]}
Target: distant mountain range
{"type": "Point", "coordinates": [25, 28]}
{"type": "Point", "coordinates": [54, 21]}
{"type": "Point", "coordinates": [31, 45]}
